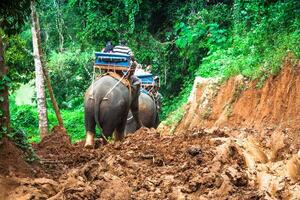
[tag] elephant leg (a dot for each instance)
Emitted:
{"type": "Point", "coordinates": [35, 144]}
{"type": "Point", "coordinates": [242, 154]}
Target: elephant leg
{"type": "Point", "coordinates": [90, 125]}
{"type": "Point", "coordinates": [89, 141]}
{"type": "Point", "coordinates": [135, 107]}
{"type": "Point", "coordinates": [156, 120]}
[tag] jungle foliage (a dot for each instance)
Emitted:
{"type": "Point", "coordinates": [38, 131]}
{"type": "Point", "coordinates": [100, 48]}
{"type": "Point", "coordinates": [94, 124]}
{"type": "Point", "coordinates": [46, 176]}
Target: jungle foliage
{"type": "Point", "coordinates": [179, 38]}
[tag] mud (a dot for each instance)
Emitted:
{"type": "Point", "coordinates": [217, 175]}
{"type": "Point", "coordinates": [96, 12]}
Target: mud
{"type": "Point", "coordinates": [58, 155]}
{"type": "Point", "coordinates": [196, 164]}
{"type": "Point", "coordinates": [13, 160]}
{"type": "Point", "coordinates": [145, 165]}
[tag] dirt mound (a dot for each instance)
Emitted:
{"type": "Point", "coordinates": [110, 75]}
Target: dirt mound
{"type": "Point", "coordinates": [12, 161]}
{"type": "Point", "coordinates": [57, 154]}
{"type": "Point", "coordinates": [54, 145]}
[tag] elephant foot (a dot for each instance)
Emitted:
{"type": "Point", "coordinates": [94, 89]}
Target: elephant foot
{"type": "Point", "coordinates": [89, 141]}
{"type": "Point", "coordinates": [139, 125]}
{"type": "Point", "coordinates": [119, 137]}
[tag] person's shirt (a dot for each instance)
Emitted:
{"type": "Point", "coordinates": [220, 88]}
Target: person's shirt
{"type": "Point", "coordinates": [107, 49]}
{"type": "Point", "coordinates": [123, 50]}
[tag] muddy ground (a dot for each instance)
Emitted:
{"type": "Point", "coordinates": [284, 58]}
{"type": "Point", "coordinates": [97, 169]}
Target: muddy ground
{"type": "Point", "coordinates": [196, 164]}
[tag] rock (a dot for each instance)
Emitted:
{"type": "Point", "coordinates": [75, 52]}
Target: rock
{"type": "Point", "coordinates": [194, 150]}
{"type": "Point", "coordinates": [293, 168]}
{"type": "Point", "coordinates": [116, 190]}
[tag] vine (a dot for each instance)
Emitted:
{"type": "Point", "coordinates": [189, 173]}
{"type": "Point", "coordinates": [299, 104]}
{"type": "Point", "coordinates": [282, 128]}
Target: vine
{"type": "Point", "coordinates": [4, 82]}
{"type": "Point", "coordinates": [131, 8]}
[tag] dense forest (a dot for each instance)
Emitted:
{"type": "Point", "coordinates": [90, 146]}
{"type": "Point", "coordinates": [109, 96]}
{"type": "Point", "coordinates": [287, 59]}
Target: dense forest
{"type": "Point", "coordinates": [180, 39]}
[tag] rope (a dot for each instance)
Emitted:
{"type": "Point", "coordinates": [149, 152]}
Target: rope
{"type": "Point", "coordinates": [129, 118]}
{"type": "Point", "coordinates": [111, 89]}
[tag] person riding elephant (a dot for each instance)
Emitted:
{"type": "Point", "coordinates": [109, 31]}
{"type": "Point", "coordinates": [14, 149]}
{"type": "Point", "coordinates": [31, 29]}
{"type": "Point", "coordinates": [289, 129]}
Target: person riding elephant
{"type": "Point", "coordinates": [108, 47]}
{"type": "Point", "coordinates": [148, 114]}
{"type": "Point", "coordinates": [122, 48]}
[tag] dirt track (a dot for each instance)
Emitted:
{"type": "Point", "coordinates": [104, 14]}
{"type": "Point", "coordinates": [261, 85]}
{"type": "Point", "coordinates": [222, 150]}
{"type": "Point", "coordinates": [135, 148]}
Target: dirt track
{"type": "Point", "coordinates": [144, 166]}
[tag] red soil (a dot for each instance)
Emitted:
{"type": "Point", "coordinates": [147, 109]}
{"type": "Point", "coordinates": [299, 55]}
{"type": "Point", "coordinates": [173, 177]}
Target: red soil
{"type": "Point", "coordinates": [145, 165]}
{"type": "Point", "coordinates": [238, 103]}
{"type": "Point", "coordinates": [13, 160]}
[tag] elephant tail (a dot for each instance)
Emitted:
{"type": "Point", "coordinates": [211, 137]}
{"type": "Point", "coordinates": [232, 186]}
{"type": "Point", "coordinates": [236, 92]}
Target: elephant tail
{"type": "Point", "coordinates": [97, 113]}
{"type": "Point", "coordinates": [98, 102]}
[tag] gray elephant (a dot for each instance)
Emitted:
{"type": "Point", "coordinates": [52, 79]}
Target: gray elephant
{"type": "Point", "coordinates": [106, 104]}
{"type": "Point", "coordinates": [148, 114]}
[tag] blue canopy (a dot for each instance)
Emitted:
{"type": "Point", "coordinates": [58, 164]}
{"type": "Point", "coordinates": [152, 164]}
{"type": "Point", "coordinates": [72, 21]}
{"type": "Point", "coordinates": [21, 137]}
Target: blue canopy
{"type": "Point", "coordinates": [146, 79]}
{"type": "Point", "coordinates": [112, 59]}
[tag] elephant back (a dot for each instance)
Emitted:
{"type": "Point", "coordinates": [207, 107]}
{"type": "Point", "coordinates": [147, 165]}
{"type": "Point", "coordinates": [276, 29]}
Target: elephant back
{"type": "Point", "coordinates": [147, 110]}
{"type": "Point", "coordinates": [121, 79]}
{"type": "Point", "coordinates": [107, 86]}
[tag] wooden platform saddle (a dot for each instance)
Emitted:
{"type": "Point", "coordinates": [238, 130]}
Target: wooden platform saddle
{"type": "Point", "coordinates": [119, 78]}
{"type": "Point", "coordinates": [113, 65]}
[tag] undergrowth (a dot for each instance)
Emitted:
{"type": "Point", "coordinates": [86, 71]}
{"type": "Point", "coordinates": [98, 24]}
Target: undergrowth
{"type": "Point", "coordinates": [172, 108]}
{"type": "Point", "coordinates": [19, 137]}
{"type": "Point", "coordinates": [25, 119]}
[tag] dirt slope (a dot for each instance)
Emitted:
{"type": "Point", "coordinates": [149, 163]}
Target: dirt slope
{"type": "Point", "coordinates": [240, 103]}
{"type": "Point", "coordinates": [276, 104]}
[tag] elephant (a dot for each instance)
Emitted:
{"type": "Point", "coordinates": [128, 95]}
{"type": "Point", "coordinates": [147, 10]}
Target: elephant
{"type": "Point", "coordinates": [148, 114]}
{"type": "Point", "coordinates": [106, 104]}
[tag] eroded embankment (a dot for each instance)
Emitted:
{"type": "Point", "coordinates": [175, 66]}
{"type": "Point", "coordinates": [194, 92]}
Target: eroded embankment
{"type": "Point", "coordinates": [240, 103]}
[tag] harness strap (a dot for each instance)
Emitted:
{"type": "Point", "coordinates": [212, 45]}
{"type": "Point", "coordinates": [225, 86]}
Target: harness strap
{"type": "Point", "coordinates": [125, 81]}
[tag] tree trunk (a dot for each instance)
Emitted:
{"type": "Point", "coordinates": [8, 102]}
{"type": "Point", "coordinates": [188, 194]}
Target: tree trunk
{"type": "Point", "coordinates": [4, 103]}
{"type": "Point", "coordinates": [53, 100]}
{"type": "Point", "coordinates": [39, 79]}
{"type": "Point", "coordinates": [47, 77]}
